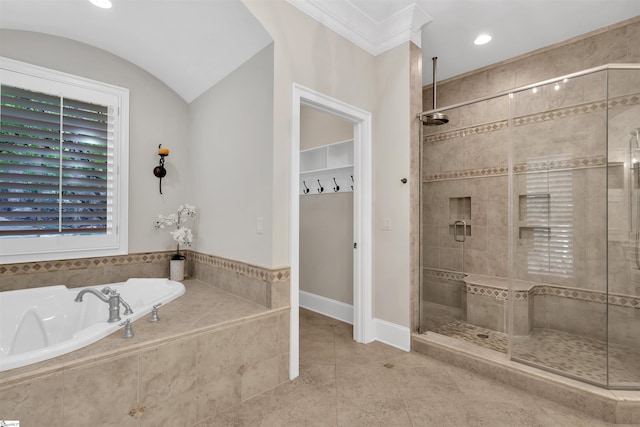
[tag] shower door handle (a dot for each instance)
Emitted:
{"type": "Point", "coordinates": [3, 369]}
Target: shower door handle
{"type": "Point", "coordinates": [455, 231]}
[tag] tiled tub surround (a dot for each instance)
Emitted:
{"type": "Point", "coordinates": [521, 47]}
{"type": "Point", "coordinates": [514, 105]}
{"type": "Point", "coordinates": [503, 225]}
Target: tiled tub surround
{"type": "Point", "coordinates": [261, 285]}
{"type": "Point", "coordinates": [264, 286]}
{"type": "Point", "coordinates": [211, 350]}
{"type": "Point", "coordinates": [76, 273]}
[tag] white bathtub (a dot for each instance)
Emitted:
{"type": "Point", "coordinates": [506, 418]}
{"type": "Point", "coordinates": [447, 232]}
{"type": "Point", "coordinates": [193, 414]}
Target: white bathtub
{"type": "Point", "coordinates": [41, 323]}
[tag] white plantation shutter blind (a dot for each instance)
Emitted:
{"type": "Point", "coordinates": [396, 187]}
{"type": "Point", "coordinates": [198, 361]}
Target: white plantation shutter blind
{"type": "Point", "coordinates": [63, 165]}
{"type": "Point", "coordinates": [550, 211]}
{"type": "Point", "coordinates": [54, 168]}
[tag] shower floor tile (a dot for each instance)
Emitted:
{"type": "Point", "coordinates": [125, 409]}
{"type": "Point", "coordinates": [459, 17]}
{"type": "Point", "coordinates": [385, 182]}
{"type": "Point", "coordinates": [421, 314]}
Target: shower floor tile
{"type": "Point", "coordinates": [574, 355]}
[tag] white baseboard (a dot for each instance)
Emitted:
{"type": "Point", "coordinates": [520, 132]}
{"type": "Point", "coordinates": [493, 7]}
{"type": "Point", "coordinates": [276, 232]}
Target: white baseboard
{"type": "Point", "coordinates": [327, 306]}
{"type": "Point", "coordinates": [391, 334]}
{"type": "Point", "coordinates": [386, 332]}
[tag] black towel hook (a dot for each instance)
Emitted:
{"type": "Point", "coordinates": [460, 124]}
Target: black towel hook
{"type": "Point", "coordinates": [321, 189]}
{"type": "Point", "coordinates": [306, 189]}
{"type": "Point", "coordinates": [352, 181]}
{"type": "Point", "coordinates": [337, 187]}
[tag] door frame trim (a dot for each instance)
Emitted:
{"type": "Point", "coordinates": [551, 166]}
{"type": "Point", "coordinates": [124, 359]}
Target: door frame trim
{"type": "Point", "coordinates": [363, 328]}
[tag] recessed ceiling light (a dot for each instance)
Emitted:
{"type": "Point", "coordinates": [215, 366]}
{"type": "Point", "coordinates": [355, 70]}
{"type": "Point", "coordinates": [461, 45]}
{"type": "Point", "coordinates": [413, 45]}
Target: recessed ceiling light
{"type": "Point", "coordinates": [482, 39]}
{"type": "Point", "coordinates": [105, 4]}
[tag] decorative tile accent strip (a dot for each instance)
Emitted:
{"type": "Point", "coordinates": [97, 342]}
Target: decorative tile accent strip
{"type": "Point", "coordinates": [620, 300]}
{"type": "Point", "coordinates": [472, 130]}
{"type": "Point", "coordinates": [538, 166]}
{"type": "Point", "coordinates": [83, 263]}
{"type": "Point", "coordinates": [549, 164]}
{"type": "Point", "coordinates": [443, 274]}
{"type": "Point", "coordinates": [541, 289]}
{"type": "Point", "coordinates": [261, 273]}
{"type": "Point", "coordinates": [495, 293]}
{"type": "Point", "coordinates": [277, 275]}
{"type": "Point", "coordinates": [576, 110]}
{"type": "Point", "coordinates": [558, 291]}
{"type": "Point", "coordinates": [560, 113]}
{"type": "Point", "coordinates": [468, 173]}
{"type": "Point", "coordinates": [486, 291]}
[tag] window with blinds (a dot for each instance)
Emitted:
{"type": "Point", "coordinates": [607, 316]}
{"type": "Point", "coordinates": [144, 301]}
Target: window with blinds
{"type": "Point", "coordinates": [63, 165]}
{"type": "Point", "coordinates": [54, 169]}
{"type": "Point", "coordinates": [549, 217]}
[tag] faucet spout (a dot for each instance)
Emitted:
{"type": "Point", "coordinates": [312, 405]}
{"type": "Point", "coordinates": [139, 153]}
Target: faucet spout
{"type": "Point", "coordinates": [108, 296]}
{"type": "Point", "coordinates": [92, 291]}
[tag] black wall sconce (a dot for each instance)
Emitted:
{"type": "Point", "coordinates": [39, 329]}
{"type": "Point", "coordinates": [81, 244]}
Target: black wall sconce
{"type": "Point", "coordinates": [159, 171]}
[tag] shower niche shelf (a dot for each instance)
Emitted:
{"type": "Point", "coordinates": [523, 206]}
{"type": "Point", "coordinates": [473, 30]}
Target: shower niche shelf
{"type": "Point", "coordinates": [327, 169]}
{"type": "Point", "coordinates": [533, 215]}
{"type": "Point", "coordinates": [459, 209]}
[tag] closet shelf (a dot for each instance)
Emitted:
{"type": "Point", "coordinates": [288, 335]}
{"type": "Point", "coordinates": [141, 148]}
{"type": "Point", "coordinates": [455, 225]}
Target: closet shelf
{"type": "Point", "coordinates": [327, 170]}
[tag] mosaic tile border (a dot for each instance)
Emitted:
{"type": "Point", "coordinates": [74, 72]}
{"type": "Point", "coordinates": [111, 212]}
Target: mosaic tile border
{"type": "Point", "coordinates": [522, 168]}
{"type": "Point", "coordinates": [443, 274]}
{"type": "Point", "coordinates": [468, 173]}
{"type": "Point", "coordinates": [542, 289]}
{"type": "Point", "coordinates": [472, 130]}
{"type": "Point", "coordinates": [262, 273]}
{"type": "Point", "coordinates": [574, 163]}
{"type": "Point", "coordinates": [253, 271]}
{"type": "Point", "coordinates": [83, 263]}
{"type": "Point", "coordinates": [495, 293]}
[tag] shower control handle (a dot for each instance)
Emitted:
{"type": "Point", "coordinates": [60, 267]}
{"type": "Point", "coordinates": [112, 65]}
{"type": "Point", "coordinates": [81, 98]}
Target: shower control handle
{"type": "Point", "coordinates": [456, 237]}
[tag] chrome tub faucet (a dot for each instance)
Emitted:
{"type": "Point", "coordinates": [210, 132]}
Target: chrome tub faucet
{"type": "Point", "coordinates": [110, 297]}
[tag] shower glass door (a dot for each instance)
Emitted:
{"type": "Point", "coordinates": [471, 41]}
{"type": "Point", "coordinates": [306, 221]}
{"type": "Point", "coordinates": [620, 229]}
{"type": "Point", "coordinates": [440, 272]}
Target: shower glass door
{"type": "Point", "coordinates": [559, 234]}
{"type": "Point", "coordinates": [623, 202]}
{"type": "Point", "coordinates": [464, 212]}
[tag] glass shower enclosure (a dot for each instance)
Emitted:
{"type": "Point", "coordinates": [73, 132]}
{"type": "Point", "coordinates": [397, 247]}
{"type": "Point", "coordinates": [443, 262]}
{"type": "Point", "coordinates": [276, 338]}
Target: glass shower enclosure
{"type": "Point", "coordinates": [530, 225]}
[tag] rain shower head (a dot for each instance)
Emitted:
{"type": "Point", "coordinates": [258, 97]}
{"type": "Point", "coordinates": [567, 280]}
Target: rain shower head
{"type": "Point", "coordinates": [434, 119]}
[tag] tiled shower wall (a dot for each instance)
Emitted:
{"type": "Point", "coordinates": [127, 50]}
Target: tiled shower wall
{"type": "Point", "coordinates": [559, 135]}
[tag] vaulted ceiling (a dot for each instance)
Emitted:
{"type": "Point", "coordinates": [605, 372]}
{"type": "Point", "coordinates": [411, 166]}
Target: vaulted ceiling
{"type": "Point", "coordinates": [192, 44]}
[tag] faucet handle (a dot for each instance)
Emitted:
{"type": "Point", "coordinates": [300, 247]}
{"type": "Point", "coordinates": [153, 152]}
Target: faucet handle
{"type": "Point", "coordinates": [128, 329]}
{"type": "Point", "coordinates": [108, 291]}
{"type": "Point", "coordinates": [154, 313]}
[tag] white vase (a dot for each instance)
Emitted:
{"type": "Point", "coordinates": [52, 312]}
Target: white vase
{"type": "Point", "coordinates": [176, 270]}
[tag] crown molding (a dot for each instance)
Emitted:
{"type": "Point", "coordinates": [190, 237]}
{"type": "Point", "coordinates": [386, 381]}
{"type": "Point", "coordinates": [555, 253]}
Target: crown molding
{"type": "Point", "coordinates": [359, 28]}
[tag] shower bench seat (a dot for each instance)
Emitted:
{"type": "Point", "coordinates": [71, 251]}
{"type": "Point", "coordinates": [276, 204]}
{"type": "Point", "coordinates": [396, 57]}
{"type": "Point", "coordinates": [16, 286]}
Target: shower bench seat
{"type": "Point", "coordinates": [485, 301]}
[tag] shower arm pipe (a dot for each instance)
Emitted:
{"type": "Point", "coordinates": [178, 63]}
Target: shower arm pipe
{"type": "Point", "coordinates": [531, 86]}
{"type": "Point", "coordinates": [433, 91]}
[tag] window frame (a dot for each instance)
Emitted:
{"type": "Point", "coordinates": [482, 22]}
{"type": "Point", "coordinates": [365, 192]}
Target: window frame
{"type": "Point", "coordinates": [60, 247]}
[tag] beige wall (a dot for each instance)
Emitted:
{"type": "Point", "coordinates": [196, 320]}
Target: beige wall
{"type": "Point", "coordinates": [326, 220]}
{"type": "Point", "coordinates": [318, 128]}
{"type": "Point", "coordinates": [157, 116]}
{"type": "Point", "coordinates": [231, 162]}
{"type": "Point", "coordinates": [391, 157]}
{"type": "Point", "coordinates": [309, 54]}
{"type": "Point", "coordinates": [326, 245]}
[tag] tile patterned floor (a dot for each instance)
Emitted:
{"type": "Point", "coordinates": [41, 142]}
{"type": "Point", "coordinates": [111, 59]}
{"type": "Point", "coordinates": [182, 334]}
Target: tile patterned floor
{"type": "Point", "coordinates": [343, 383]}
{"type": "Point", "coordinates": [578, 356]}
